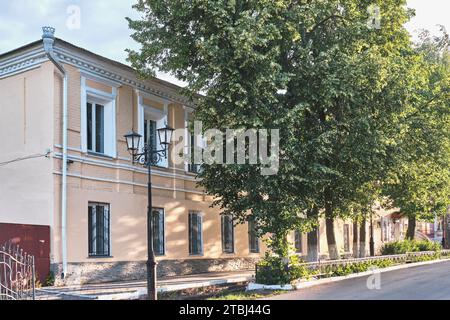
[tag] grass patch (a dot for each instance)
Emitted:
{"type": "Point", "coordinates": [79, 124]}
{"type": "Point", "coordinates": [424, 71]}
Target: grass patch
{"type": "Point", "coordinates": [244, 295]}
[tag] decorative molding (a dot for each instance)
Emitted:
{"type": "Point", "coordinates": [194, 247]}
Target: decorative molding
{"type": "Point", "coordinates": [80, 176]}
{"type": "Point", "coordinates": [89, 69]}
{"type": "Point", "coordinates": [97, 70]}
{"type": "Point", "coordinates": [126, 167]}
{"type": "Point", "coordinates": [22, 63]}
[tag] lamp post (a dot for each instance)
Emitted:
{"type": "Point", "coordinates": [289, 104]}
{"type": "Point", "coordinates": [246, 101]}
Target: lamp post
{"type": "Point", "coordinates": [149, 157]}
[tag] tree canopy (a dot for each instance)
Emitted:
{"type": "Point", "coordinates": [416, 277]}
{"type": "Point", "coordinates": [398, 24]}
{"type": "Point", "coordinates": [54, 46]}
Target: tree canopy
{"type": "Point", "coordinates": [342, 91]}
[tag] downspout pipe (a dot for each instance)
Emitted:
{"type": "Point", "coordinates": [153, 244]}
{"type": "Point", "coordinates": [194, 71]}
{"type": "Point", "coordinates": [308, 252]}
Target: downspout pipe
{"type": "Point", "coordinates": [48, 38]}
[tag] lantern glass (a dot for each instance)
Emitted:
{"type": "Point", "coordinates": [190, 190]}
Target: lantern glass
{"type": "Point", "coordinates": [165, 135]}
{"type": "Point", "coordinates": [133, 141]}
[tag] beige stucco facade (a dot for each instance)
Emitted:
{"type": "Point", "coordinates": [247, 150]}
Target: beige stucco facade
{"type": "Point", "coordinates": [31, 108]}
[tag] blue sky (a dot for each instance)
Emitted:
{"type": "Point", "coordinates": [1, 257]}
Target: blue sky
{"type": "Point", "coordinates": [104, 30]}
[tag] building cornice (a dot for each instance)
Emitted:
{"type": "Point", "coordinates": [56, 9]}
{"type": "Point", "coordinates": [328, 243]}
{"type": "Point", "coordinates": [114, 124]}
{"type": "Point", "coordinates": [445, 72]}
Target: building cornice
{"type": "Point", "coordinates": [22, 63]}
{"type": "Point", "coordinates": [123, 77]}
{"type": "Point", "coordinates": [35, 57]}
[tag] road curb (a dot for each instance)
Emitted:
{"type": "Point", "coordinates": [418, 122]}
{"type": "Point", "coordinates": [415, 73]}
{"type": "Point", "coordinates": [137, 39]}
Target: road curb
{"type": "Point", "coordinates": [312, 283]}
{"type": "Point", "coordinates": [141, 292]}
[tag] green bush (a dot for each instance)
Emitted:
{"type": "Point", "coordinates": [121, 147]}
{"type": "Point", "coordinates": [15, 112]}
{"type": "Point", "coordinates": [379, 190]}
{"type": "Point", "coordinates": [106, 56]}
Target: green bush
{"type": "Point", "coordinates": [50, 280]}
{"type": "Point", "coordinates": [343, 270]}
{"type": "Point", "coordinates": [273, 270]}
{"type": "Point", "coordinates": [404, 246]}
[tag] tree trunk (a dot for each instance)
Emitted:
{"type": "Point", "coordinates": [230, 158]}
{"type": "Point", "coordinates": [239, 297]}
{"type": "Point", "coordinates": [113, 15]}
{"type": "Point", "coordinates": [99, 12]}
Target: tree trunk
{"type": "Point", "coordinates": [313, 252]}
{"type": "Point", "coordinates": [362, 238]}
{"type": "Point", "coordinates": [411, 232]}
{"type": "Point", "coordinates": [331, 239]}
{"type": "Point", "coordinates": [355, 240]}
{"type": "Point", "coordinates": [333, 252]}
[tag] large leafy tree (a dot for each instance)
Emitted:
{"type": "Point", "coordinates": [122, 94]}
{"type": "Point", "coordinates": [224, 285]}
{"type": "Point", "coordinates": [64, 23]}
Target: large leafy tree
{"type": "Point", "coordinates": [232, 51]}
{"type": "Point", "coordinates": [350, 82]}
{"type": "Point", "coordinates": [418, 180]}
{"type": "Point", "coordinates": [346, 86]}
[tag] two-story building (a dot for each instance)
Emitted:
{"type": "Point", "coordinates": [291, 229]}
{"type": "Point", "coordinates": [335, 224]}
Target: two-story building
{"type": "Point", "coordinates": [69, 190]}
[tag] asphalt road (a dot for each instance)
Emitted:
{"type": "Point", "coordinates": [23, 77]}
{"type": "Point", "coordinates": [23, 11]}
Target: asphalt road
{"type": "Point", "coordinates": [427, 282]}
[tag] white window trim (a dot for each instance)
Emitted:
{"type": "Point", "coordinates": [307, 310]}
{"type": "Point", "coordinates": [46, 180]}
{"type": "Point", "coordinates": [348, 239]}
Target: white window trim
{"type": "Point", "coordinates": [109, 101]}
{"type": "Point", "coordinates": [155, 114]}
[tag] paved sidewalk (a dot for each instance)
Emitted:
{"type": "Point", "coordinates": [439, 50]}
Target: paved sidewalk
{"type": "Point", "coordinates": [135, 289]}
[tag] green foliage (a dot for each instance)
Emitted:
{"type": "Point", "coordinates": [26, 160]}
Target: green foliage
{"type": "Point", "coordinates": [274, 270]}
{"type": "Point", "coordinates": [405, 246]}
{"type": "Point", "coordinates": [356, 267]}
{"type": "Point", "coordinates": [417, 180]}
{"type": "Point", "coordinates": [360, 110]}
{"type": "Point", "coordinates": [247, 295]}
{"type": "Point", "coordinates": [50, 279]}
{"type": "Point", "coordinates": [422, 258]}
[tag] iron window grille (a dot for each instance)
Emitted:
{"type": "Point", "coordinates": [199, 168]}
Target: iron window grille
{"type": "Point", "coordinates": [99, 230]}
{"type": "Point", "coordinates": [158, 232]}
{"type": "Point", "coordinates": [253, 238]}
{"type": "Point", "coordinates": [195, 233]}
{"type": "Point", "coordinates": [298, 241]}
{"type": "Point", "coordinates": [227, 234]}
{"type": "Point", "coordinates": [346, 238]}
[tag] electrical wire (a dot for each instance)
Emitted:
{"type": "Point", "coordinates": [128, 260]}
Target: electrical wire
{"type": "Point", "coordinates": [34, 156]}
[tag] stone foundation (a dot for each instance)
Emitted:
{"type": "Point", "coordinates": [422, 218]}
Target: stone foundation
{"type": "Point", "coordinates": [99, 272]}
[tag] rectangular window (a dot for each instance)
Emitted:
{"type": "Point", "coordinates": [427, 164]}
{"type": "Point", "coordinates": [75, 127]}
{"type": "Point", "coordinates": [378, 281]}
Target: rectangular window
{"type": "Point", "coordinates": [158, 232]}
{"type": "Point", "coordinates": [99, 230]}
{"type": "Point", "coordinates": [150, 133]}
{"type": "Point", "coordinates": [227, 234]}
{"type": "Point", "coordinates": [195, 234]}
{"type": "Point", "coordinates": [298, 242]}
{"type": "Point", "coordinates": [253, 238]}
{"type": "Point", "coordinates": [95, 127]}
{"type": "Point", "coordinates": [346, 238]}
{"type": "Point", "coordinates": [151, 120]}
{"type": "Point", "coordinates": [192, 166]}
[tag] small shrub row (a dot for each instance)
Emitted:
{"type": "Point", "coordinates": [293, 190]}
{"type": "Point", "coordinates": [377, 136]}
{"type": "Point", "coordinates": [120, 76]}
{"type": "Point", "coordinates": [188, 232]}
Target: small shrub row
{"type": "Point", "coordinates": [350, 268]}
{"type": "Point", "coordinates": [405, 246]}
{"type": "Point", "coordinates": [273, 270]}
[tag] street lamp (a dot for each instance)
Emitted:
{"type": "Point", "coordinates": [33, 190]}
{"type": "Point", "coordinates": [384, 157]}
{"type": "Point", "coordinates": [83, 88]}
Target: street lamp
{"type": "Point", "coordinates": [149, 157]}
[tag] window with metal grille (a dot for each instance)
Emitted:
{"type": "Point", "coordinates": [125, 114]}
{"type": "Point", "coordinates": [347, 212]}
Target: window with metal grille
{"type": "Point", "coordinates": [298, 241]}
{"type": "Point", "coordinates": [346, 238]}
{"type": "Point", "coordinates": [158, 232]}
{"type": "Point", "coordinates": [227, 234]}
{"type": "Point", "coordinates": [253, 238]}
{"type": "Point", "coordinates": [99, 230]}
{"type": "Point", "coordinates": [195, 233]}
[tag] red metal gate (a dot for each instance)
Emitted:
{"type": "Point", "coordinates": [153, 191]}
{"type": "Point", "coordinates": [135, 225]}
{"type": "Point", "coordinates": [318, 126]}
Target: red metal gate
{"type": "Point", "coordinates": [35, 240]}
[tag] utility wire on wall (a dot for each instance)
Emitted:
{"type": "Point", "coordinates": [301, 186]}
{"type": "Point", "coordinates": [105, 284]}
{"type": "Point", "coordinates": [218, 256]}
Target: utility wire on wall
{"type": "Point", "coordinates": [34, 156]}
